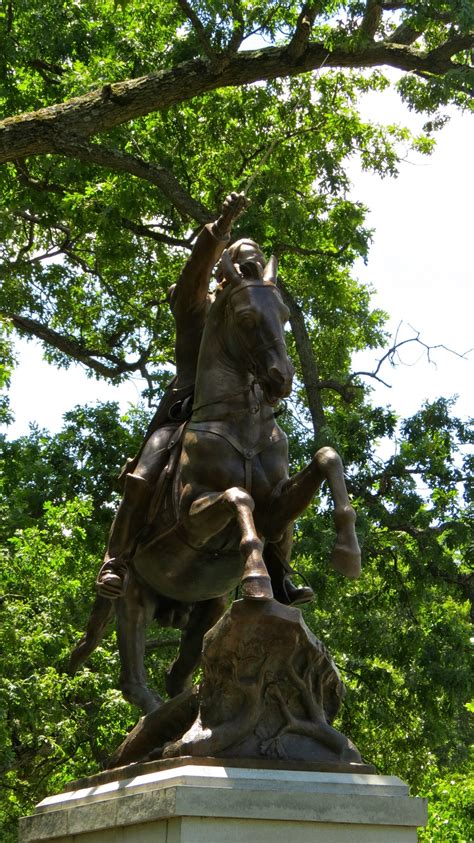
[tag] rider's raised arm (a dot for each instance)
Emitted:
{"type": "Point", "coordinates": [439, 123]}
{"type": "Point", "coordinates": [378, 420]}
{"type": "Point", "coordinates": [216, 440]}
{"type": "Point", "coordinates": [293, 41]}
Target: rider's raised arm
{"type": "Point", "coordinates": [193, 283]}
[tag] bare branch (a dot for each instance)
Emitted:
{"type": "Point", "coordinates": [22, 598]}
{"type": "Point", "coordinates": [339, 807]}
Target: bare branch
{"type": "Point", "coordinates": [393, 352]}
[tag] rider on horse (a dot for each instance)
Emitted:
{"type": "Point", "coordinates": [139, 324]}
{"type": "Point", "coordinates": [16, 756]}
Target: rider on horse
{"type": "Point", "coordinates": [189, 301]}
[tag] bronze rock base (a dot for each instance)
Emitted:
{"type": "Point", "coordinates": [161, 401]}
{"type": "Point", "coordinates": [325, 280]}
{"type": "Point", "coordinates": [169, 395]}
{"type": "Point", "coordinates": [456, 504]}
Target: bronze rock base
{"type": "Point", "coordinates": [270, 690]}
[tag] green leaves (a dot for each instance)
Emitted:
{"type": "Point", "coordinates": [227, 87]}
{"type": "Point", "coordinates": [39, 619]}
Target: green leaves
{"type": "Point", "coordinates": [57, 495]}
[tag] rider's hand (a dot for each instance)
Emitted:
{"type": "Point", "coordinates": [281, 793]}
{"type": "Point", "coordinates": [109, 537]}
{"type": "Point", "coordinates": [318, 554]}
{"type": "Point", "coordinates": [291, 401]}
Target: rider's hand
{"type": "Point", "coordinates": [234, 205]}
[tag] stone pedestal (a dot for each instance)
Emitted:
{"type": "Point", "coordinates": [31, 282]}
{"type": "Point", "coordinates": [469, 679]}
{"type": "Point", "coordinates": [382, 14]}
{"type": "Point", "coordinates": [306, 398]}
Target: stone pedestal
{"type": "Point", "coordinates": [198, 801]}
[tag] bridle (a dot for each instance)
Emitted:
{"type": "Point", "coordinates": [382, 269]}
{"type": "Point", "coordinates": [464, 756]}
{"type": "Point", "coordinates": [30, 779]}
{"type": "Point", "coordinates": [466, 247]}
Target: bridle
{"type": "Point", "coordinates": [244, 352]}
{"type": "Point", "coordinates": [248, 354]}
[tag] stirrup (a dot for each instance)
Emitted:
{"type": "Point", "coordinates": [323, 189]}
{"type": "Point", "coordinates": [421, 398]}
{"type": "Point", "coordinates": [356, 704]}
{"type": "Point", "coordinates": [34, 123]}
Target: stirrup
{"type": "Point", "coordinates": [114, 574]}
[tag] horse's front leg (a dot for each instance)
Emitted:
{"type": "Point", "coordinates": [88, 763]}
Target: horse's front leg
{"type": "Point", "coordinates": [295, 495]}
{"type": "Point", "coordinates": [135, 611]}
{"type": "Point", "coordinates": [210, 513]}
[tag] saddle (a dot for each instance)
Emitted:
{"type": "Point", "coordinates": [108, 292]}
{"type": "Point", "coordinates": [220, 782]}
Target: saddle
{"type": "Point", "coordinates": [163, 509]}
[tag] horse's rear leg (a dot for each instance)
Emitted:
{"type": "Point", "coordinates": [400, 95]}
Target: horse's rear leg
{"type": "Point", "coordinates": [135, 611]}
{"type": "Point", "coordinates": [210, 513]}
{"type": "Point", "coordinates": [296, 494]}
{"type": "Point", "coordinates": [203, 616]}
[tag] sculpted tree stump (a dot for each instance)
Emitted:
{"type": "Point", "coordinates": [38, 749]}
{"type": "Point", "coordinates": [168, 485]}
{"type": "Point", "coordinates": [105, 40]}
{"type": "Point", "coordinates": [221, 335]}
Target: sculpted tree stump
{"type": "Point", "coordinates": [270, 690]}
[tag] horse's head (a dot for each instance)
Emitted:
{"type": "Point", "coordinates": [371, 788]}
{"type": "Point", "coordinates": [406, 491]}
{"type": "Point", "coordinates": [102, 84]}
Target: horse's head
{"type": "Point", "coordinates": [255, 317]}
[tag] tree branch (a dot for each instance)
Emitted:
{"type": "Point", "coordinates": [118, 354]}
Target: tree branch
{"type": "Point", "coordinates": [45, 223]}
{"type": "Point", "coordinates": [199, 29]}
{"type": "Point", "coordinates": [115, 159]}
{"type": "Point", "coordinates": [405, 34]}
{"type": "Point", "coordinates": [301, 250]}
{"type": "Point", "coordinates": [393, 351]}
{"type": "Point", "coordinates": [302, 32]}
{"type": "Point", "coordinates": [98, 111]}
{"type": "Point", "coordinates": [41, 185]}
{"type": "Point", "coordinates": [145, 231]}
{"type": "Point", "coordinates": [29, 244]}
{"type": "Point", "coordinates": [371, 18]}
{"type": "Point", "coordinates": [38, 64]}
{"type": "Point", "coordinates": [76, 350]}
{"type": "Point", "coordinates": [239, 30]}
{"type": "Point", "coordinates": [450, 47]}
{"type": "Point", "coordinates": [305, 351]}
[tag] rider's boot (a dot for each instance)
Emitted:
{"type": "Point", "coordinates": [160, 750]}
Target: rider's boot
{"type": "Point", "coordinates": [345, 556]}
{"type": "Point", "coordinates": [295, 595]}
{"type": "Point", "coordinates": [284, 589]}
{"type": "Point", "coordinates": [131, 516]}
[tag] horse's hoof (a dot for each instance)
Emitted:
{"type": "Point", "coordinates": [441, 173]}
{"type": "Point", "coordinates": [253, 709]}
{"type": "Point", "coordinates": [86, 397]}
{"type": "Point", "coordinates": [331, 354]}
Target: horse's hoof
{"type": "Point", "coordinates": [346, 561]}
{"type": "Point", "coordinates": [256, 587]}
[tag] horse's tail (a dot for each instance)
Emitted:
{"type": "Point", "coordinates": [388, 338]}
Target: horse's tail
{"type": "Point", "coordinates": [101, 613]}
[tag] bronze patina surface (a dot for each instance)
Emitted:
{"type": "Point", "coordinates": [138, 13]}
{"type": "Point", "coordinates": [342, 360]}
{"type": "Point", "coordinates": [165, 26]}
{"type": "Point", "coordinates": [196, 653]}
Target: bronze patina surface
{"type": "Point", "coordinates": [209, 504]}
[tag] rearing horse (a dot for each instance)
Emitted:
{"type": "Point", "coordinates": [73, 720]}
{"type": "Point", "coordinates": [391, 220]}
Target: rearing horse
{"type": "Point", "coordinates": [231, 497]}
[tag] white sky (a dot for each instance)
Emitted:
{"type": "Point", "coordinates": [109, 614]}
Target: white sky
{"type": "Point", "coordinates": [421, 264]}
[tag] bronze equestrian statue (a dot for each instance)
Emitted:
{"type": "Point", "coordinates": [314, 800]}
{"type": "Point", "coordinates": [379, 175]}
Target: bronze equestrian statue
{"type": "Point", "coordinates": [189, 300]}
{"type": "Point", "coordinates": [215, 505]}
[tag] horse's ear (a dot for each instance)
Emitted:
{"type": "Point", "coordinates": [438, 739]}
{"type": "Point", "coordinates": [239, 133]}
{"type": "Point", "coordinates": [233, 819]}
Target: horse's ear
{"type": "Point", "coordinates": [228, 269]}
{"type": "Point", "coordinates": [271, 269]}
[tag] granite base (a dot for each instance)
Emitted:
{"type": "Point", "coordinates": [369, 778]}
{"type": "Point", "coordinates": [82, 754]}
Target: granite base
{"type": "Point", "coordinates": [200, 802]}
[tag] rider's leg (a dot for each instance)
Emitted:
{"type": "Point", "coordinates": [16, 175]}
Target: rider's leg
{"type": "Point", "coordinates": [129, 520]}
{"type": "Point", "coordinates": [132, 514]}
{"type": "Point", "coordinates": [277, 559]}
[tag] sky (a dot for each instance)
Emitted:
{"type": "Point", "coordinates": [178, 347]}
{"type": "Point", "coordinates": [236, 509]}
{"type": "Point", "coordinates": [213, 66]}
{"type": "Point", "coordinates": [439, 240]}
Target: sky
{"type": "Point", "coordinates": [420, 266]}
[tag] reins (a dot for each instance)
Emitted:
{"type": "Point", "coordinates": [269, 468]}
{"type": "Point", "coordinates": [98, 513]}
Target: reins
{"type": "Point", "coordinates": [226, 397]}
